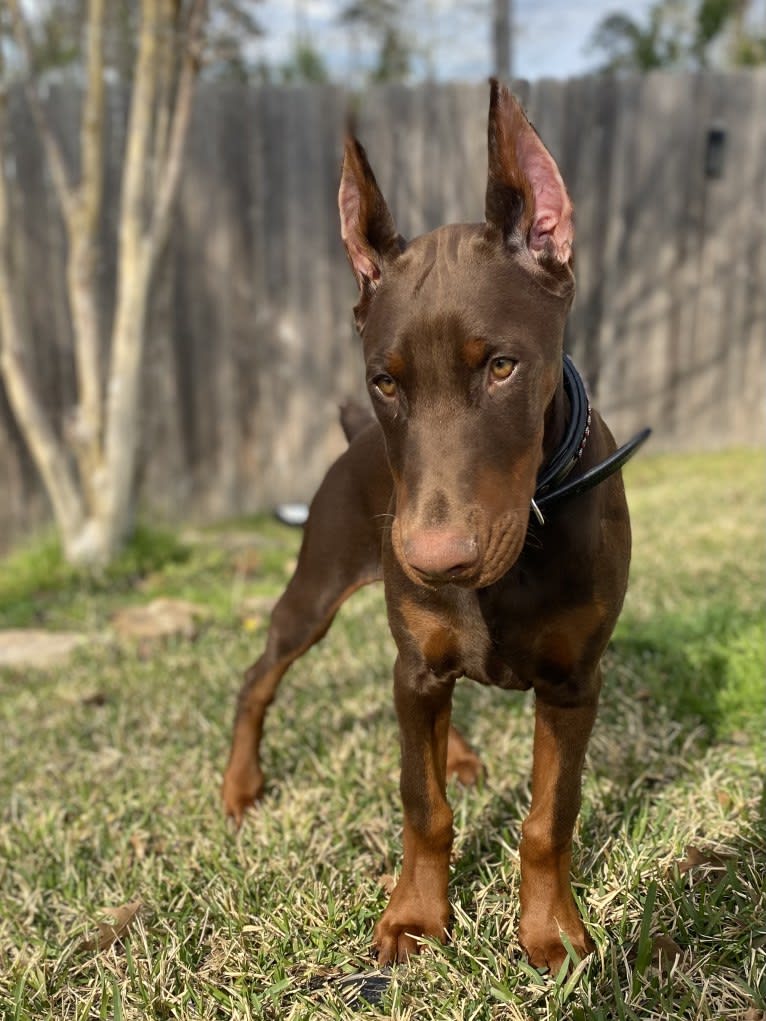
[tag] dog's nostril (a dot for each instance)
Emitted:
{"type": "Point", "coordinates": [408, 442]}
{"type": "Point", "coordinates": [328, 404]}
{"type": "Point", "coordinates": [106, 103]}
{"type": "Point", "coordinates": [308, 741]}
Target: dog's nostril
{"type": "Point", "coordinates": [440, 552]}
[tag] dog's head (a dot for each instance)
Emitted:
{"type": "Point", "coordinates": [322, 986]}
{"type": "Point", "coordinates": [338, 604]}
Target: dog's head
{"type": "Point", "coordinates": [463, 331]}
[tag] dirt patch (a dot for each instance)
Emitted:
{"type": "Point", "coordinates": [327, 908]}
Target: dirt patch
{"type": "Point", "coordinates": [38, 649]}
{"type": "Point", "coordinates": [160, 619]}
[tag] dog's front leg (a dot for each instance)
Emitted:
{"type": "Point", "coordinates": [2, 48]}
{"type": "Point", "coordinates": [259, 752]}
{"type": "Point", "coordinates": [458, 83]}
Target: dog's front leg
{"type": "Point", "coordinates": [547, 907]}
{"type": "Point", "coordinates": [419, 905]}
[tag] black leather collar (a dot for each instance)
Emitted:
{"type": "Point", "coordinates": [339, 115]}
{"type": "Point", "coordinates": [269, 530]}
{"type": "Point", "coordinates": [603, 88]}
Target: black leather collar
{"type": "Point", "coordinates": [552, 487]}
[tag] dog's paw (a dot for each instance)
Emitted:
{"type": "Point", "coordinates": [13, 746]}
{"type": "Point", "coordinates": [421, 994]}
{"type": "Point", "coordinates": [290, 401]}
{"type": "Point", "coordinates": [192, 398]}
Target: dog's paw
{"type": "Point", "coordinates": [468, 770]}
{"type": "Point", "coordinates": [396, 942]}
{"type": "Point", "coordinates": [240, 790]}
{"type": "Point", "coordinates": [545, 949]}
{"type": "Point", "coordinates": [405, 920]}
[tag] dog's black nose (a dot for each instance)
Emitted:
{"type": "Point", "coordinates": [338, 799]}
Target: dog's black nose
{"type": "Point", "coordinates": [440, 553]}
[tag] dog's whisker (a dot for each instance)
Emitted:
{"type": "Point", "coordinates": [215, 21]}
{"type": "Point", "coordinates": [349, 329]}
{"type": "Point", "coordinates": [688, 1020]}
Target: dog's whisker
{"type": "Point", "coordinates": [533, 540]}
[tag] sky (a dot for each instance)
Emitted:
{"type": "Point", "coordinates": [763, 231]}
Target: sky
{"type": "Point", "coordinates": [550, 36]}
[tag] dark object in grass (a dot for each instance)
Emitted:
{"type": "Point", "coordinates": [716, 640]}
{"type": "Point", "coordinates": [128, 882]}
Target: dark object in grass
{"type": "Point", "coordinates": [363, 987]}
{"type": "Point", "coordinates": [97, 699]}
{"type": "Point", "coordinates": [479, 415]}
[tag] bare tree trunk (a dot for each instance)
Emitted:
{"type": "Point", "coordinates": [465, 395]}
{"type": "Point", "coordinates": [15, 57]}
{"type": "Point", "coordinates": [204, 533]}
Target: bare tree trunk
{"type": "Point", "coordinates": [140, 245]}
{"type": "Point", "coordinates": [179, 128]}
{"type": "Point", "coordinates": [133, 278]}
{"type": "Point", "coordinates": [45, 447]}
{"type": "Point", "coordinates": [96, 515]}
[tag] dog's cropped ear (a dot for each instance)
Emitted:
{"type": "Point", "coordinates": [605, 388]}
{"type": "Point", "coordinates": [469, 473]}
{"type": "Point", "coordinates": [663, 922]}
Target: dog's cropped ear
{"type": "Point", "coordinates": [526, 197]}
{"type": "Point", "coordinates": [366, 225]}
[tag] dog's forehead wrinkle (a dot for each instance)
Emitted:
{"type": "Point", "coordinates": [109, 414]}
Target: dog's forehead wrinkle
{"type": "Point", "coordinates": [485, 280]}
{"type": "Point", "coordinates": [432, 345]}
{"type": "Point", "coordinates": [448, 241]}
{"type": "Point", "coordinates": [427, 270]}
{"type": "Point", "coordinates": [444, 250]}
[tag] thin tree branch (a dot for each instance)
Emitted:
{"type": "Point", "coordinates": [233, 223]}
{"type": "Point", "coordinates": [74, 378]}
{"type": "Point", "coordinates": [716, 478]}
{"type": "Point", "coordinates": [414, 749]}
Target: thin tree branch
{"type": "Point", "coordinates": [46, 449]}
{"type": "Point", "coordinates": [133, 200]}
{"type": "Point", "coordinates": [168, 64]}
{"type": "Point", "coordinates": [91, 188]}
{"type": "Point", "coordinates": [82, 265]}
{"type": "Point", "coordinates": [179, 128]}
{"type": "Point", "coordinates": [50, 145]}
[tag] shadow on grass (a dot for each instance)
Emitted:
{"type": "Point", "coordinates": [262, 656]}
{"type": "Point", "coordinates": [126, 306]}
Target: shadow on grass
{"type": "Point", "coordinates": [704, 670]}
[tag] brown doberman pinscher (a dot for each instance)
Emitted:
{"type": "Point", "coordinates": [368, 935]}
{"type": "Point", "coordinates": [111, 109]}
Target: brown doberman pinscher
{"type": "Point", "coordinates": [443, 496]}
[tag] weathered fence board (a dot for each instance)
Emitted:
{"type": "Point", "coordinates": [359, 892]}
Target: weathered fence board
{"type": "Point", "coordinates": [251, 344]}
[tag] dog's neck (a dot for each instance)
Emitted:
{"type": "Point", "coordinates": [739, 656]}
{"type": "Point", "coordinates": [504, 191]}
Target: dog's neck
{"type": "Point", "coordinates": [556, 420]}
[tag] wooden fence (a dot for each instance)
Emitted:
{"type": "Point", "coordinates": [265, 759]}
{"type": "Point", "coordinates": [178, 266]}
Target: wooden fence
{"type": "Point", "coordinates": [251, 344]}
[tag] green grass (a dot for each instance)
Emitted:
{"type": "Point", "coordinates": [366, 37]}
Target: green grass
{"type": "Point", "coordinates": [38, 588]}
{"type": "Point", "coordinates": [111, 769]}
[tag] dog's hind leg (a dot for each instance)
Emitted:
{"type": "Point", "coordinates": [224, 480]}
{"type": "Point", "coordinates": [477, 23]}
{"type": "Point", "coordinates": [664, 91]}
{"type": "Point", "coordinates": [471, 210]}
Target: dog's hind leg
{"type": "Point", "coordinates": [463, 764]}
{"type": "Point", "coordinates": [339, 554]}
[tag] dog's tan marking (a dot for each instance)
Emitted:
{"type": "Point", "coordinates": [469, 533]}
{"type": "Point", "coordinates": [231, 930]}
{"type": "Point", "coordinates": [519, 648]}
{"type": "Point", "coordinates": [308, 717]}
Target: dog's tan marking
{"type": "Point", "coordinates": [395, 364]}
{"type": "Point", "coordinates": [474, 351]}
{"type": "Point", "coordinates": [436, 638]}
{"type": "Point", "coordinates": [564, 641]}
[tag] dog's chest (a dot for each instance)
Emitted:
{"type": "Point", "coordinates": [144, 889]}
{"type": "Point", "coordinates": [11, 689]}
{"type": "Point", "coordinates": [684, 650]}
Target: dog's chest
{"type": "Point", "coordinates": [492, 650]}
{"type": "Point", "coordinates": [547, 631]}
{"type": "Point", "coordinates": [505, 655]}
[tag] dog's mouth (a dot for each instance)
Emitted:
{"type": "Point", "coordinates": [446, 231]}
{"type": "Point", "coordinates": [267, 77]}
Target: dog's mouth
{"type": "Point", "coordinates": [470, 561]}
{"type": "Point", "coordinates": [506, 539]}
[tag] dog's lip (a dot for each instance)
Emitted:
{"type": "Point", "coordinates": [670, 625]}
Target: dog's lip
{"type": "Point", "coordinates": [477, 578]}
{"type": "Point", "coordinates": [465, 579]}
{"type": "Point", "coordinates": [503, 548]}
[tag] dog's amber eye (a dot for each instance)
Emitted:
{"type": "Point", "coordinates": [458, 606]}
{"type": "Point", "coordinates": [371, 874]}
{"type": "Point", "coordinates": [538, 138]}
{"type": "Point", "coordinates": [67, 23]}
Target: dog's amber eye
{"type": "Point", "coordinates": [501, 368]}
{"type": "Point", "coordinates": [386, 385]}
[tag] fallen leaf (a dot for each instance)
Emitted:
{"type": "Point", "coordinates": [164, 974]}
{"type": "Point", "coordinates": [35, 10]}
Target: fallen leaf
{"type": "Point", "coordinates": [139, 844]}
{"type": "Point", "coordinates": [665, 951]}
{"type": "Point", "coordinates": [98, 699]}
{"type": "Point", "coordinates": [110, 932]}
{"type": "Point", "coordinates": [247, 562]}
{"type": "Point", "coordinates": [387, 883]}
{"type": "Point", "coordinates": [321, 976]}
{"type": "Point", "coordinates": [695, 857]}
